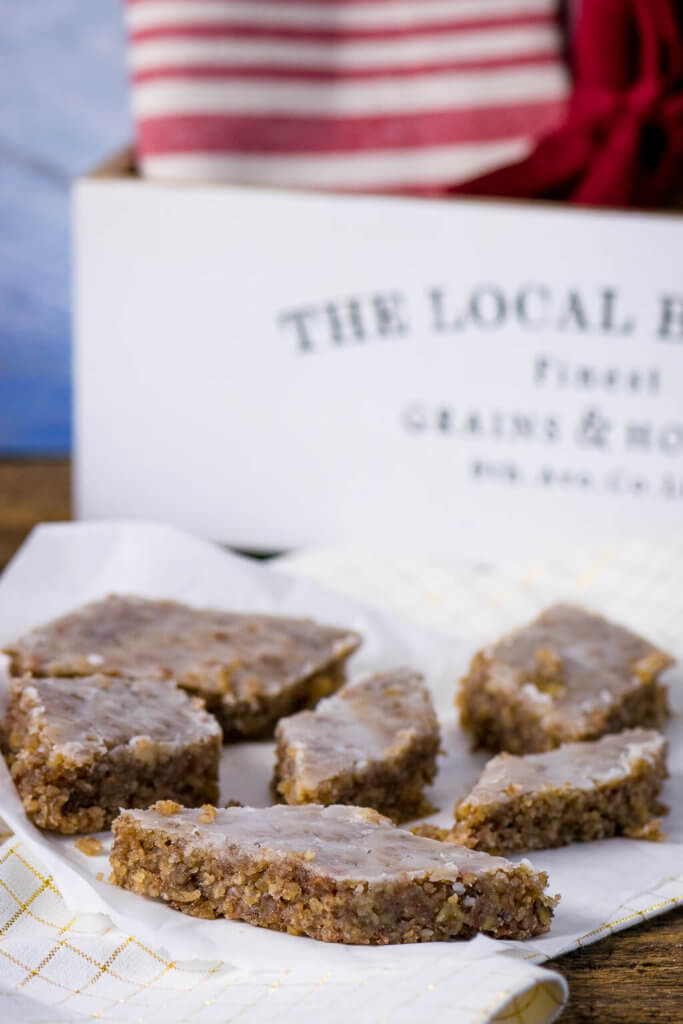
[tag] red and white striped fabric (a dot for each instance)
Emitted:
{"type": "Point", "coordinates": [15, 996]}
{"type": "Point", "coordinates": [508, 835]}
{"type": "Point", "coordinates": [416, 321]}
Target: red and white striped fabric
{"type": "Point", "coordinates": [360, 95]}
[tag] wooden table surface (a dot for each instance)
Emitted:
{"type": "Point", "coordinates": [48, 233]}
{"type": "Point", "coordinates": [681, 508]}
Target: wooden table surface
{"type": "Point", "coordinates": [635, 977]}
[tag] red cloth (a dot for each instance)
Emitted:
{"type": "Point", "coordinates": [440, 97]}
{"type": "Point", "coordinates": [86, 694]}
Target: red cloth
{"type": "Point", "coordinates": [400, 96]}
{"type": "Point", "coordinates": [622, 144]}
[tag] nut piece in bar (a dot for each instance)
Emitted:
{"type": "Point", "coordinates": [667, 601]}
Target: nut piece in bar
{"type": "Point", "coordinates": [374, 744]}
{"type": "Point", "coordinates": [80, 749]}
{"type": "Point", "coordinates": [249, 669]}
{"type": "Point", "coordinates": [576, 793]}
{"type": "Point", "coordinates": [568, 675]}
{"type": "Point", "coordinates": [338, 873]}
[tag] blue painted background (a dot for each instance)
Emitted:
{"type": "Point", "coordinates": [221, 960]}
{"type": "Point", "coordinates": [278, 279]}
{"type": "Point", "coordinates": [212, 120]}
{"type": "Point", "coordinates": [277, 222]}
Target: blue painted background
{"type": "Point", "coordinates": [64, 106]}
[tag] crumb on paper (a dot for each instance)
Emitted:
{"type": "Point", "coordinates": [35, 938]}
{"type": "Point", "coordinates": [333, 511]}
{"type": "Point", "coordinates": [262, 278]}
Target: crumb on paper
{"type": "Point", "coordinates": [432, 832]}
{"type": "Point", "coordinates": [208, 813]}
{"type": "Point", "coordinates": [100, 876]}
{"type": "Point", "coordinates": [90, 846]}
{"type": "Point", "coordinates": [233, 803]}
{"type": "Point", "coordinates": [650, 832]}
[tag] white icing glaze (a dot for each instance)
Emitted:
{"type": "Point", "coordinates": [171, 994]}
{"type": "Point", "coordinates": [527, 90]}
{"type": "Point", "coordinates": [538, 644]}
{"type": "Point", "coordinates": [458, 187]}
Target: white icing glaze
{"type": "Point", "coordinates": [571, 665]}
{"type": "Point", "coordinates": [79, 718]}
{"type": "Point", "coordinates": [207, 650]}
{"type": "Point", "coordinates": [362, 724]}
{"type": "Point", "coordinates": [348, 843]}
{"type": "Point", "coordinates": [579, 765]}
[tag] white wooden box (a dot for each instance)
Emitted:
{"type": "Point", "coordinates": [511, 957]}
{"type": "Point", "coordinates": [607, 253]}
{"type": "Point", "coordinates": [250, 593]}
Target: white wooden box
{"type": "Point", "coordinates": [274, 369]}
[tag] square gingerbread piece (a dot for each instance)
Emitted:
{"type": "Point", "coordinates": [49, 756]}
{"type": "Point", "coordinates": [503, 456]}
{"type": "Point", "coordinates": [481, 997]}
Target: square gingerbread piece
{"type": "Point", "coordinates": [374, 744]}
{"type": "Point", "coordinates": [568, 675]}
{"type": "Point", "coordinates": [578, 792]}
{"type": "Point", "coordinates": [249, 669]}
{"type": "Point", "coordinates": [340, 874]}
{"type": "Point", "coordinates": [80, 749]}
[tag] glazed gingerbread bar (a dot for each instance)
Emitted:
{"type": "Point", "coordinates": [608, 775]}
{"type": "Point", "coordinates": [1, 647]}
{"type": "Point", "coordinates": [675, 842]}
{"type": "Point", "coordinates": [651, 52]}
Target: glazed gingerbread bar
{"type": "Point", "coordinates": [249, 669]}
{"type": "Point", "coordinates": [374, 744]}
{"type": "Point", "coordinates": [568, 675]}
{"type": "Point", "coordinates": [80, 749]}
{"type": "Point", "coordinates": [576, 793]}
{"type": "Point", "coordinates": [339, 874]}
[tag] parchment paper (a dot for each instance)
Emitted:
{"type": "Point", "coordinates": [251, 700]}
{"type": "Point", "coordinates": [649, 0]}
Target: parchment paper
{"type": "Point", "coordinates": [63, 566]}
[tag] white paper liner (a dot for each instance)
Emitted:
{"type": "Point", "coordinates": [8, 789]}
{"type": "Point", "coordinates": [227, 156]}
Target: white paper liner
{"type": "Point", "coordinates": [63, 566]}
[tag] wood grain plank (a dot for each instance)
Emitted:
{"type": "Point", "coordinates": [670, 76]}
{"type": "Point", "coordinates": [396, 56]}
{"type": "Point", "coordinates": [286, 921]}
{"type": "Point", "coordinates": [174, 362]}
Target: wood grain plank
{"type": "Point", "coordinates": [635, 977]}
{"type": "Point", "coordinates": [31, 491]}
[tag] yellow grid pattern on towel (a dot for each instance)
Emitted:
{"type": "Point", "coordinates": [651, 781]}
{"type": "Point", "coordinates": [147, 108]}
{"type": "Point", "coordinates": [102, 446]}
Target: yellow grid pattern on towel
{"type": "Point", "coordinates": [82, 967]}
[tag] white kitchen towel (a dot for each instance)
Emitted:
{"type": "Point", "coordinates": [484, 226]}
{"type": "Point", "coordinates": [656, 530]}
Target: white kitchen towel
{"type": "Point", "coordinates": [65, 955]}
{"type": "Point", "coordinates": [352, 95]}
